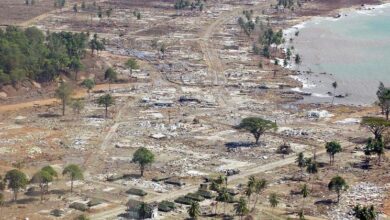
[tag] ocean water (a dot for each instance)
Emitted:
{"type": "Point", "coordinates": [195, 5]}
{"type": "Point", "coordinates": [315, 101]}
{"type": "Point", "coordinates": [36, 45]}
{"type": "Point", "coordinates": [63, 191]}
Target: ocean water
{"type": "Point", "coordinates": [353, 50]}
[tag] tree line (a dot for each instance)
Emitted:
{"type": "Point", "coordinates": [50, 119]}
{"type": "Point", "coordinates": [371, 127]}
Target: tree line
{"type": "Point", "coordinates": [17, 180]}
{"type": "Point", "coordinates": [31, 54]}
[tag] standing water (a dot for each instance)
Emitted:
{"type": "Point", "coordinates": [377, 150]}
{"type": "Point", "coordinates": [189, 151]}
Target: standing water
{"type": "Point", "coordinates": [353, 50]}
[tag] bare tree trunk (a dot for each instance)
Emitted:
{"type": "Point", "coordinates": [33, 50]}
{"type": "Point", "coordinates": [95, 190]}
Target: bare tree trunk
{"type": "Point", "coordinates": [42, 191]}
{"type": "Point", "coordinates": [63, 107]}
{"type": "Point", "coordinates": [15, 195]}
{"type": "Point", "coordinates": [71, 185]}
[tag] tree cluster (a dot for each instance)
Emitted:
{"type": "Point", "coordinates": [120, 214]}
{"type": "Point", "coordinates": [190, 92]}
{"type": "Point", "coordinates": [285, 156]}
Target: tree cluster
{"type": "Point", "coordinates": [17, 180]}
{"type": "Point", "coordinates": [28, 54]}
{"type": "Point", "coordinates": [184, 4]}
{"type": "Point", "coordinates": [246, 23]}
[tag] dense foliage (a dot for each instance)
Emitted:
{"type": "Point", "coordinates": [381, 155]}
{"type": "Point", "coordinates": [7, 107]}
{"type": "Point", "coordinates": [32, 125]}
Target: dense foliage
{"type": "Point", "coordinates": [30, 54]}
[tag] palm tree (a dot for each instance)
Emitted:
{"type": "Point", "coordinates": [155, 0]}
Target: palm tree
{"type": "Point", "coordinates": [301, 162]}
{"type": "Point", "coordinates": [311, 167]}
{"type": "Point", "coordinates": [305, 193]}
{"type": "Point", "coordinates": [224, 196]}
{"type": "Point", "coordinates": [338, 184]}
{"type": "Point", "coordinates": [259, 187]}
{"type": "Point", "coordinates": [241, 208]}
{"type": "Point", "coordinates": [334, 85]}
{"type": "Point", "coordinates": [250, 187]}
{"type": "Point", "coordinates": [273, 200]}
{"type": "Point", "coordinates": [248, 193]}
{"type": "Point", "coordinates": [194, 210]}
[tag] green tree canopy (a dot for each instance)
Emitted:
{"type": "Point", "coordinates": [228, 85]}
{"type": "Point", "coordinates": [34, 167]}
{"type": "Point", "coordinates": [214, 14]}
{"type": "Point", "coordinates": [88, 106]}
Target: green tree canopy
{"type": "Point", "coordinates": [241, 208]}
{"type": "Point", "coordinates": [111, 76]}
{"type": "Point", "coordinates": [106, 100]}
{"type": "Point", "coordinates": [257, 126]}
{"type": "Point", "coordinates": [50, 170]}
{"type": "Point", "coordinates": [88, 84]}
{"type": "Point", "coordinates": [64, 92]}
{"type": "Point", "coordinates": [224, 196]}
{"type": "Point", "coordinates": [273, 200]}
{"type": "Point", "coordinates": [338, 184]}
{"type": "Point", "coordinates": [376, 125]}
{"type": "Point", "coordinates": [332, 148]}
{"type": "Point", "coordinates": [16, 180]}
{"type": "Point", "coordinates": [28, 54]}
{"type": "Point", "coordinates": [132, 64]}
{"type": "Point", "coordinates": [74, 172]}
{"type": "Point", "coordinates": [194, 210]}
{"type": "Point", "coordinates": [365, 213]}
{"type": "Point", "coordinates": [42, 178]}
{"type": "Point", "coordinates": [143, 157]}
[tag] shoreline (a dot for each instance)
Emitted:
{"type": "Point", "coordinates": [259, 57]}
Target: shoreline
{"type": "Point", "coordinates": [301, 76]}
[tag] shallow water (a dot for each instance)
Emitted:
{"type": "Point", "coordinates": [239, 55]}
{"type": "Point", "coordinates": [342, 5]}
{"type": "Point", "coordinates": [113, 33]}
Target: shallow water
{"type": "Point", "coordinates": [353, 50]}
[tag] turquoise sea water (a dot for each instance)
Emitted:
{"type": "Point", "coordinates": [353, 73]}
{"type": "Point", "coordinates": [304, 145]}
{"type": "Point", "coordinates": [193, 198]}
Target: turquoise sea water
{"type": "Point", "coordinates": [353, 50]}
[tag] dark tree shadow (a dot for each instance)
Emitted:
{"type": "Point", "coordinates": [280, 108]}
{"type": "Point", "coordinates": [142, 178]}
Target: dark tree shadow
{"type": "Point", "coordinates": [239, 144]}
{"type": "Point", "coordinates": [49, 115]}
{"type": "Point", "coordinates": [325, 202]}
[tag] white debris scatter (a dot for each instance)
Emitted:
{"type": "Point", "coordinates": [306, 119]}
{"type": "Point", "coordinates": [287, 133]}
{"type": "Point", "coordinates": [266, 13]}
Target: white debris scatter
{"type": "Point", "coordinates": [319, 114]}
{"type": "Point", "coordinates": [349, 121]}
{"type": "Point", "coordinates": [34, 151]}
{"type": "Point", "coordinates": [75, 183]}
{"type": "Point", "coordinates": [362, 193]}
{"type": "Point", "coordinates": [157, 187]}
{"type": "Point", "coordinates": [195, 173]}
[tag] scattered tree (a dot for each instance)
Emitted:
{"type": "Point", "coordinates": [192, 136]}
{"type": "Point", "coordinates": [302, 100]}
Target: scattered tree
{"type": "Point", "coordinates": [260, 185]}
{"type": "Point", "coordinates": [42, 178]}
{"type": "Point", "coordinates": [375, 146]}
{"type": "Point", "coordinates": [74, 172]}
{"type": "Point", "coordinates": [88, 84]}
{"type": "Point", "coordinates": [334, 85]}
{"type": "Point", "coordinates": [311, 166]}
{"type": "Point", "coordinates": [111, 76]}
{"type": "Point", "coordinates": [301, 162]}
{"type": "Point", "coordinates": [257, 126]}
{"type": "Point", "coordinates": [16, 180]}
{"type": "Point", "coordinates": [96, 45]}
{"type": "Point", "coordinates": [77, 106]}
{"type": "Point", "coordinates": [106, 100]}
{"type": "Point", "coordinates": [365, 213]}
{"type": "Point", "coordinates": [224, 196]}
{"type": "Point", "coordinates": [63, 93]}
{"type": "Point", "coordinates": [273, 200]}
{"type": "Point", "coordinates": [305, 193]}
{"type": "Point", "coordinates": [143, 157]}
{"type": "Point", "coordinates": [132, 65]}
{"type": "Point", "coordinates": [241, 208]}
{"type": "Point", "coordinates": [376, 125]}
{"type": "Point", "coordinates": [52, 172]}
{"type": "Point", "coordinates": [76, 66]}
{"type": "Point", "coordinates": [338, 184]}
{"type": "Point", "coordinates": [194, 210]}
{"type": "Point", "coordinates": [332, 148]}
